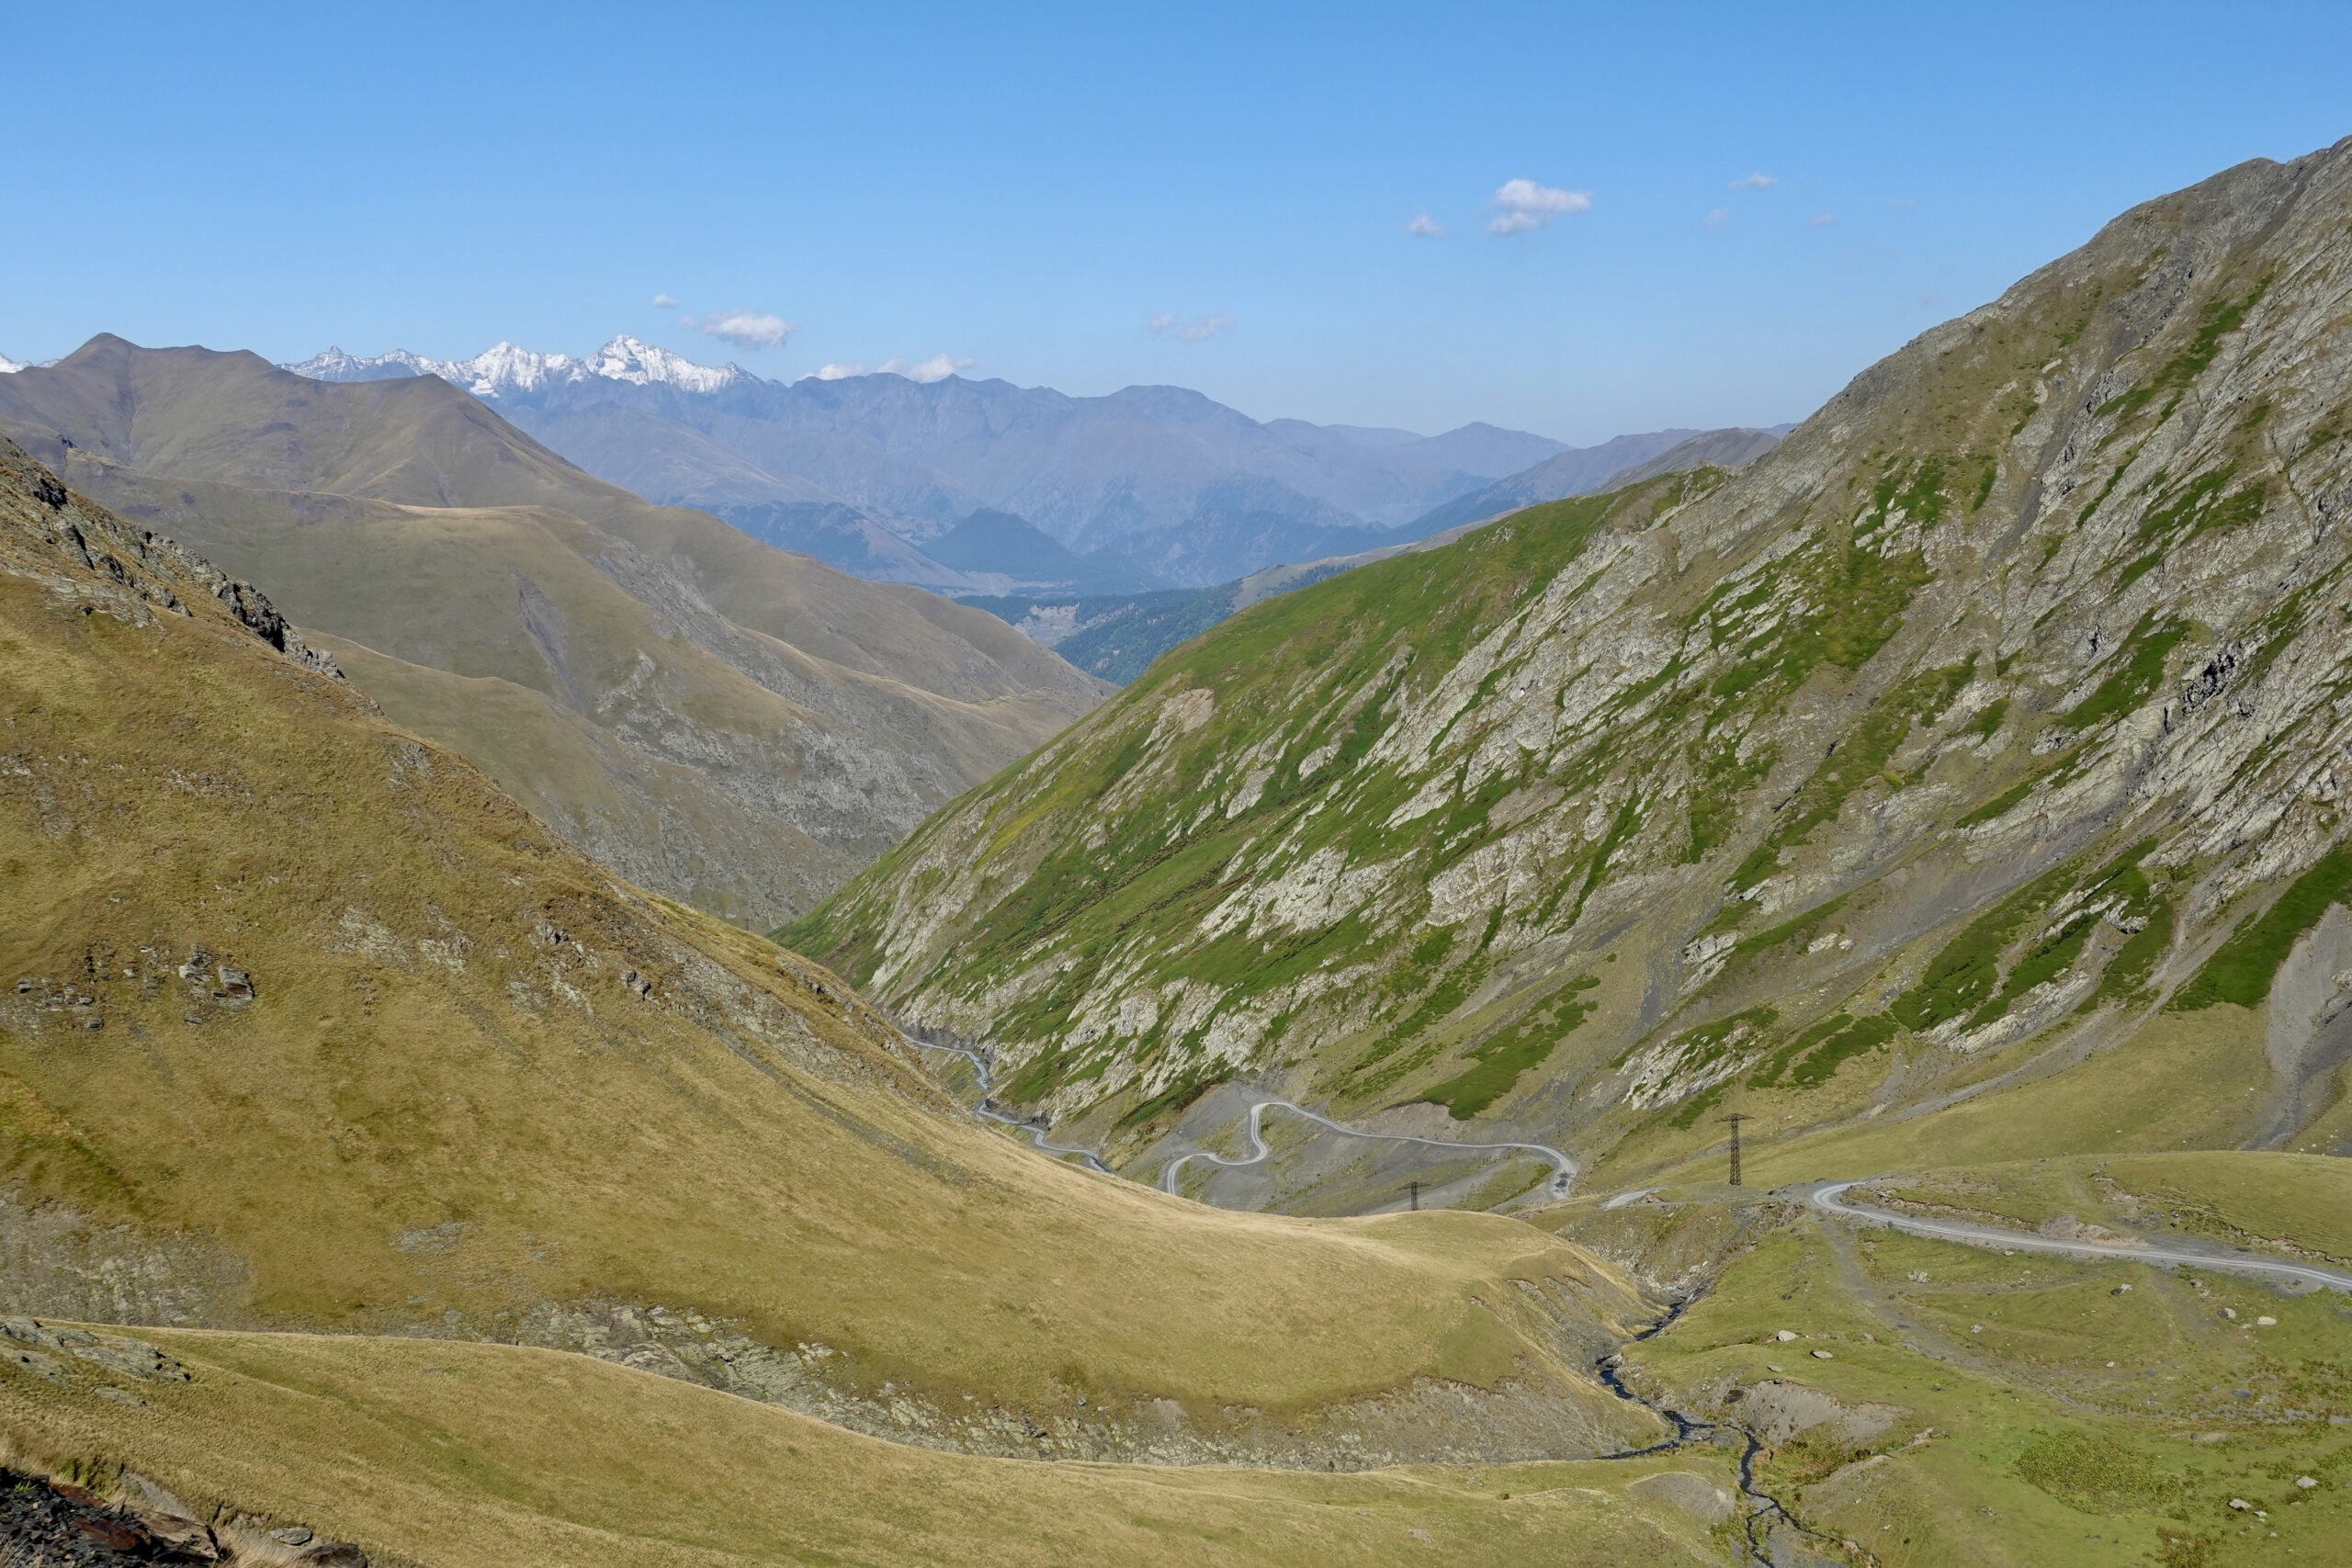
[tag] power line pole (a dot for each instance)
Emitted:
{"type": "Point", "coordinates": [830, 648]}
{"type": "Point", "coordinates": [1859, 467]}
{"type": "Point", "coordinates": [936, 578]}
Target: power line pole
{"type": "Point", "coordinates": [1417, 1197]}
{"type": "Point", "coordinates": [1735, 1118]}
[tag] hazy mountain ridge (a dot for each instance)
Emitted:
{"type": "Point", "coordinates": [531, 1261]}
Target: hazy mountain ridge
{"type": "Point", "coordinates": [718, 720]}
{"type": "Point", "coordinates": [1172, 483]}
{"type": "Point", "coordinates": [1116, 636]}
{"type": "Point", "coordinates": [1621, 460]}
{"type": "Point", "coordinates": [1756, 790]}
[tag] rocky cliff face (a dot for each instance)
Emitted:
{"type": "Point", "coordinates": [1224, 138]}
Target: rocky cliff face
{"type": "Point", "coordinates": [1992, 727]}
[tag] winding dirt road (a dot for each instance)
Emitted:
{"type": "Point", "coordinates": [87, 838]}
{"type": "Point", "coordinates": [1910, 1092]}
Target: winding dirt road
{"type": "Point", "coordinates": [1563, 1170]}
{"type": "Point", "coordinates": [1037, 1133]}
{"type": "Point", "coordinates": [1825, 1196]}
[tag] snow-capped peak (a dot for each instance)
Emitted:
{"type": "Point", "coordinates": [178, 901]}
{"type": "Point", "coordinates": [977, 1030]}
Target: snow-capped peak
{"type": "Point", "coordinates": [507, 367]}
{"type": "Point", "coordinates": [336, 366]}
{"type": "Point", "coordinates": [8, 366]}
{"type": "Point", "coordinates": [626, 359]}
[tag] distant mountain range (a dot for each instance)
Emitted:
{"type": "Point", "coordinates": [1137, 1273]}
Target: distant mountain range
{"type": "Point", "coordinates": [719, 722]}
{"type": "Point", "coordinates": [1150, 487]}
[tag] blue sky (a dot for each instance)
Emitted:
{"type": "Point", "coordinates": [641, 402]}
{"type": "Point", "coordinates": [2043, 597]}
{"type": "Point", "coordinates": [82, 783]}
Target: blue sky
{"type": "Point", "coordinates": [1030, 187]}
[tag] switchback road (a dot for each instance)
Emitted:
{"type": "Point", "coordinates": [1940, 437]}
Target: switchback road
{"type": "Point", "coordinates": [1563, 1170]}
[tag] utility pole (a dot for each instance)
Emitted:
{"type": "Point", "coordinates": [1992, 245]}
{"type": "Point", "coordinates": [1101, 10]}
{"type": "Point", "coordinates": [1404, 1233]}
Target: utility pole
{"type": "Point", "coordinates": [1417, 1197]}
{"type": "Point", "coordinates": [1735, 1118]}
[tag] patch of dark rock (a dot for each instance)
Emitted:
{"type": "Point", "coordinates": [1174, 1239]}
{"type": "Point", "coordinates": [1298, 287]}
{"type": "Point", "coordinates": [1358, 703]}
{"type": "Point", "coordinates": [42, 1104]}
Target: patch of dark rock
{"type": "Point", "coordinates": [54, 1524]}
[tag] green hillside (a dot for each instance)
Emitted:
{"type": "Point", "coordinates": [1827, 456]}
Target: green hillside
{"type": "Point", "coordinates": [1902, 791]}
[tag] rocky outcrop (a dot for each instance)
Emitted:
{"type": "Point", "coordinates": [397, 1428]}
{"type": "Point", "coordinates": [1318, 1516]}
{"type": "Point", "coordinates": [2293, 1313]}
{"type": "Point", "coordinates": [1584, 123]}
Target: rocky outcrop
{"type": "Point", "coordinates": [138, 568]}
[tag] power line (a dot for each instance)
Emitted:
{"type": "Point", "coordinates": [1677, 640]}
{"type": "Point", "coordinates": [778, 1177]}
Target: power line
{"type": "Point", "coordinates": [1734, 1120]}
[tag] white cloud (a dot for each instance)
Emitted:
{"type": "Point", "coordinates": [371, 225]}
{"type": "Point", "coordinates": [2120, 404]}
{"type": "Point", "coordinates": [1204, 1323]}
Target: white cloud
{"type": "Point", "coordinates": [938, 368]}
{"type": "Point", "coordinates": [1753, 182]}
{"type": "Point", "coordinates": [834, 372]}
{"type": "Point", "coordinates": [1715, 216]}
{"type": "Point", "coordinates": [1200, 331]}
{"type": "Point", "coordinates": [1821, 219]}
{"type": "Point", "coordinates": [744, 329]}
{"type": "Point", "coordinates": [1426, 227]}
{"type": "Point", "coordinates": [1525, 205]}
{"type": "Point", "coordinates": [667, 301]}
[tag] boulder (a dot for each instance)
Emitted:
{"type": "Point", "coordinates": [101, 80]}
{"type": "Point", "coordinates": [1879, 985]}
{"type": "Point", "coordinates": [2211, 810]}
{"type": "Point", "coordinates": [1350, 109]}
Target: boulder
{"type": "Point", "coordinates": [33, 1361]}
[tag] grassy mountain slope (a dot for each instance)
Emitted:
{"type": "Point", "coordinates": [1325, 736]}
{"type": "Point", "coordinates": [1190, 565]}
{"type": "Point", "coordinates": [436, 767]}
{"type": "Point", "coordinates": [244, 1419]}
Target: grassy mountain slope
{"type": "Point", "coordinates": [758, 725]}
{"type": "Point", "coordinates": [306, 1024]}
{"type": "Point", "coordinates": [1972, 757]}
{"type": "Point", "coordinates": [483, 1455]}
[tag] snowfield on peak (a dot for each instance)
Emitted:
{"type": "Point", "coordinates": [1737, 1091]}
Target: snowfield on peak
{"type": "Point", "coordinates": [508, 367]}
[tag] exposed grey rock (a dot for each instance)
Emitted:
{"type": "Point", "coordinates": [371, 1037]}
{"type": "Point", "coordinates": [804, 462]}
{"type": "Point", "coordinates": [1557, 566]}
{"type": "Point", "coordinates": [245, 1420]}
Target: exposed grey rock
{"type": "Point", "coordinates": [56, 1263]}
{"type": "Point", "coordinates": [33, 1361]}
{"type": "Point", "coordinates": [1694, 1494]}
{"type": "Point", "coordinates": [132, 1357]}
{"type": "Point", "coordinates": [1777, 1410]}
{"type": "Point", "coordinates": [1433, 1422]}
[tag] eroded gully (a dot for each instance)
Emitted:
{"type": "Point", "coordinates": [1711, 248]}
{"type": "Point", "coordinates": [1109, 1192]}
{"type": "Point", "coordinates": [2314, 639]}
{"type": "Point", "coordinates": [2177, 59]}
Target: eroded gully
{"type": "Point", "coordinates": [1769, 1513]}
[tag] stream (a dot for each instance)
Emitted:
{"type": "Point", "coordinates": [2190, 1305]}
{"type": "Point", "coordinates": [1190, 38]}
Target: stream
{"type": "Point", "coordinates": [1769, 1512]}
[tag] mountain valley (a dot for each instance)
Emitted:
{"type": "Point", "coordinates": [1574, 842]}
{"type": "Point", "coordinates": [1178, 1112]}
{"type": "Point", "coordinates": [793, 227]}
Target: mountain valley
{"type": "Point", "coordinates": [1760, 997]}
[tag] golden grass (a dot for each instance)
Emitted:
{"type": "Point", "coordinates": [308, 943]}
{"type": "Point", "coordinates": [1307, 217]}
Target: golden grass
{"type": "Point", "coordinates": [457, 1455]}
{"type": "Point", "coordinates": [442, 1037]}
